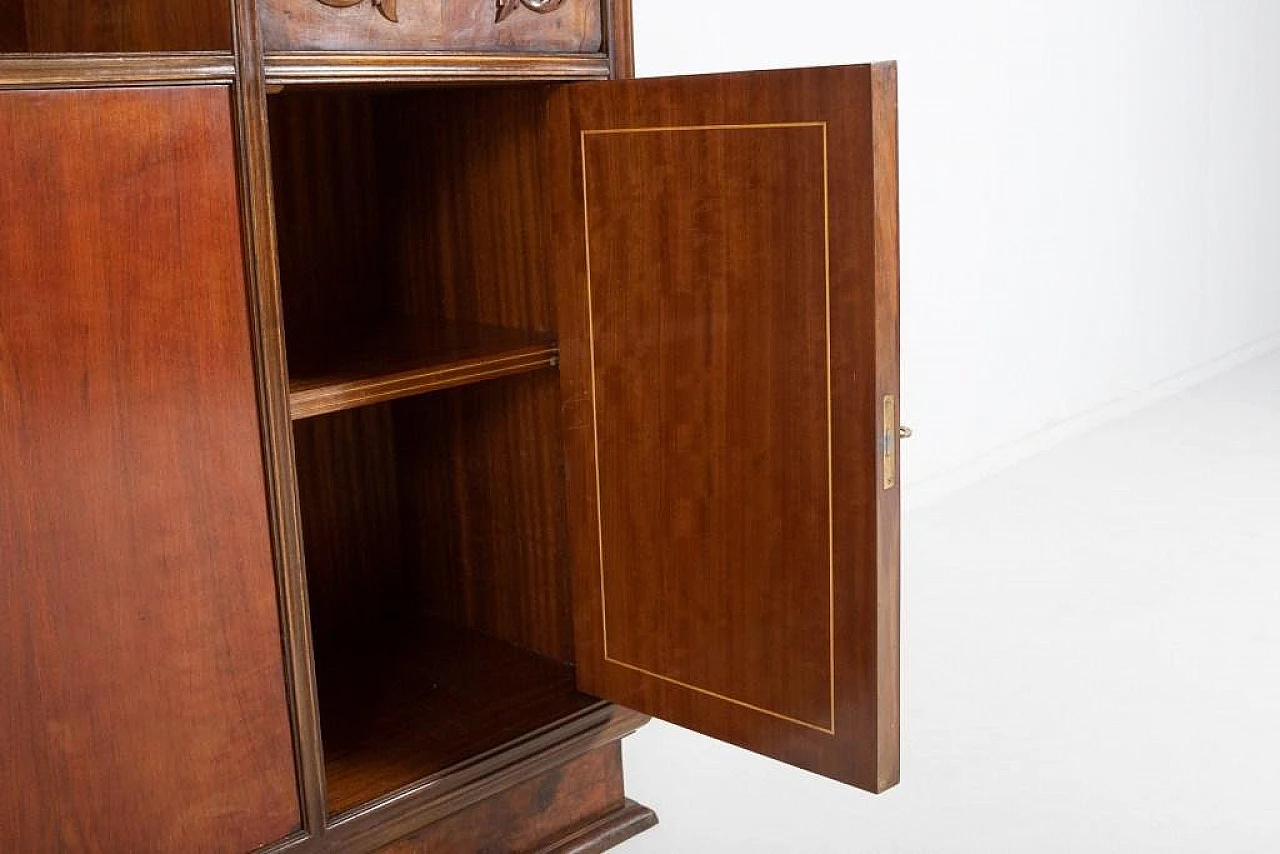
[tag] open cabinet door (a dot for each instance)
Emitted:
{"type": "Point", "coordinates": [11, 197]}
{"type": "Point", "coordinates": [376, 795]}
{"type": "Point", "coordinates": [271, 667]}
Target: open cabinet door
{"type": "Point", "coordinates": [726, 248]}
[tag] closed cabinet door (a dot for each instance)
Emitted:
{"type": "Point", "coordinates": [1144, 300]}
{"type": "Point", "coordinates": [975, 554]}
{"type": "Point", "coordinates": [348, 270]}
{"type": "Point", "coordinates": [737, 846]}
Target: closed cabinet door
{"type": "Point", "coordinates": [142, 700]}
{"type": "Point", "coordinates": [727, 252]}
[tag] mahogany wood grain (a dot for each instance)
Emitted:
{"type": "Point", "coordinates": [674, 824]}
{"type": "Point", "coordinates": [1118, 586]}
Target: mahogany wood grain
{"type": "Point", "coordinates": [429, 25]}
{"type": "Point", "coordinates": [348, 493]}
{"type": "Point", "coordinates": [476, 182]}
{"type": "Point", "coordinates": [136, 26]}
{"type": "Point", "coordinates": [407, 700]}
{"type": "Point", "coordinates": [490, 266]}
{"type": "Point", "coordinates": [333, 269]}
{"type": "Point", "coordinates": [724, 275]}
{"type": "Point", "coordinates": [477, 463]}
{"type": "Point", "coordinates": [13, 26]}
{"type": "Point", "coordinates": [401, 358]}
{"type": "Point", "coordinates": [143, 706]}
{"type": "Point", "coordinates": [361, 180]}
{"type": "Point", "coordinates": [542, 814]}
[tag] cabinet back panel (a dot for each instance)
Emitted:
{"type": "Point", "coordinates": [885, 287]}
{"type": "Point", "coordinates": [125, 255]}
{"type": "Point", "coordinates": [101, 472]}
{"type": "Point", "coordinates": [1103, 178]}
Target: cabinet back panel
{"type": "Point", "coordinates": [426, 204]}
{"type": "Point", "coordinates": [131, 26]}
{"type": "Point", "coordinates": [481, 467]}
{"type": "Point", "coordinates": [425, 207]}
{"type": "Point", "coordinates": [143, 703]}
{"type": "Point", "coordinates": [333, 270]}
{"type": "Point", "coordinates": [464, 206]}
{"type": "Point", "coordinates": [347, 487]}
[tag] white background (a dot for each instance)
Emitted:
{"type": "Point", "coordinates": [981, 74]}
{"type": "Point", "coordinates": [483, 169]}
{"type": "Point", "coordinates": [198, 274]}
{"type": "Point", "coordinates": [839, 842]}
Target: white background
{"type": "Point", "coordinates": [1088, 192]}
{"type": "Point", "coordinates": [1089, 223]}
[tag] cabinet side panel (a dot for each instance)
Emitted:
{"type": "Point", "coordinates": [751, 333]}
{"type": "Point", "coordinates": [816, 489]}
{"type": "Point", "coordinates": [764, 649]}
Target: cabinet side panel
{"type": "Point", "coordinates": [143, 706]}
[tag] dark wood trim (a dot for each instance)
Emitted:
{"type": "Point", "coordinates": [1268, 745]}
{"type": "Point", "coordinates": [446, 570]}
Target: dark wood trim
{"type": "Point", "coordinates": [619, 39]}
{"type": "Point", "coordinates": [401, 813]}
{"type": "Point", "coordinates": [319, 68]}
{"type": "Point", "coordinates": [277, 426]}
{"type": "Point", "coordinates": [611, 830]}
{"type": "Point", "coordinates": [45, 71]}
{"type": "Point", "coordinates": [292, 842]}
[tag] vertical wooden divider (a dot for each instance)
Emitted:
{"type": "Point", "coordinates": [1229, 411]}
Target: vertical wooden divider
{"type": "Point", "coordinates": [273, 394]}
{"type": "Point", "coordinates": [618, 39]}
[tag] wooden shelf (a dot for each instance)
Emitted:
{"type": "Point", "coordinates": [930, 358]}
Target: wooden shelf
{"type": "Point", "coordinates": [408, 702]}
{"type": "Point", "coordinates": [407, 358]}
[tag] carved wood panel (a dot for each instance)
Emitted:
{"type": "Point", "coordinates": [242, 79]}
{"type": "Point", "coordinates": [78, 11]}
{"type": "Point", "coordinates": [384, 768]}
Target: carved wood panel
{"type": "Point", "coordinates": [426, 25]}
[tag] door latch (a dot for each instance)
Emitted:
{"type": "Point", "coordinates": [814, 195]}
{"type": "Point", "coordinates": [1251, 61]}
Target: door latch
{"type": "Point", "coordinates": [890, 435]}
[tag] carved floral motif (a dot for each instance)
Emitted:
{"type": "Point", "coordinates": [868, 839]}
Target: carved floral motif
{"type": "Point", "coordinates": [386, 7]}
{"type": "Point", "coordinates": [505, 7]}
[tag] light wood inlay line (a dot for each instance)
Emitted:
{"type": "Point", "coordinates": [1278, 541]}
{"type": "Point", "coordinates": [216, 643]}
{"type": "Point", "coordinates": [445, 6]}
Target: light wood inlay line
{"type": "Point", "coordinates": [829, 729]}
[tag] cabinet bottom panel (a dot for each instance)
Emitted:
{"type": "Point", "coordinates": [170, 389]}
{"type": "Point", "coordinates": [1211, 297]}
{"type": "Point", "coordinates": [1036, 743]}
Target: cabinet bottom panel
{"type": "Point", "coordinates": [412, 700]}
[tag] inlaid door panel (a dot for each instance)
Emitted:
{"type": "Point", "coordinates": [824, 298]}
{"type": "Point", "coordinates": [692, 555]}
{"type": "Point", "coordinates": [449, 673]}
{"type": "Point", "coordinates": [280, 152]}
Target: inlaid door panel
{"type": "Point", "coordinates": [728, 264]}
{"type": "Point", "coordinates": [142, 706]}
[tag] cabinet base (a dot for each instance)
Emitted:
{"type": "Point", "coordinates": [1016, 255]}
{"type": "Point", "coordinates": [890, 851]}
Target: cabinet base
{"type": "Point", "coordinates": [603, 834]}
{"type": "Point", "coordinates": [574, 808]}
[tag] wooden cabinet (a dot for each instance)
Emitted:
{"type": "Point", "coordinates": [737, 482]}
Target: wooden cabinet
{"type": "Point", "coordinates": [568, 395]}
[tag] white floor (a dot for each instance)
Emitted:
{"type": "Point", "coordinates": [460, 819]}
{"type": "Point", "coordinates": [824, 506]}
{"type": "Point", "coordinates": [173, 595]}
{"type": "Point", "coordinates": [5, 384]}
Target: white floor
{"type": "Point", "coordinates": [1091, 662]}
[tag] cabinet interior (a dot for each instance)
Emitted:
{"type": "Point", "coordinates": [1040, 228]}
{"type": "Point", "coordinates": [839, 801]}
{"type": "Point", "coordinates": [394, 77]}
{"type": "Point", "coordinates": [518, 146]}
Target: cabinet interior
{"type": "Point", "coordinates": [92, 26]}
{"type": "Point", "coordinates": [419, 325]}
